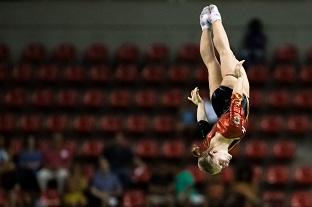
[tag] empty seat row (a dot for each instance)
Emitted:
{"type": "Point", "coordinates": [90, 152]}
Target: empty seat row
{"type": "Point", "coordinates": [280, 198]}
{"type": "Point", "coordinates": [99, 53]}
{"type": "Point", "coordinates": [86, 123]}
{"type": "Point", "coordinates": [281, 99]}
{"type": "Point", "coordinates": [67, 52]}
{"type": "Point", "coordinates": [180, 73]}
{"type": "Point", "coordinates": [281, 74]}
{"type": "Point", "coordinates": [93, 98]}
{"type": "Point", "coordinates": [298, 124]}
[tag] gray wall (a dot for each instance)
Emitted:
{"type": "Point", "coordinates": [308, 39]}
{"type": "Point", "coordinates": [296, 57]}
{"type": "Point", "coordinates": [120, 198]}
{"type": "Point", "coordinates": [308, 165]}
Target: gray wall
{"type": "Point", "coordinates": [143, 23]}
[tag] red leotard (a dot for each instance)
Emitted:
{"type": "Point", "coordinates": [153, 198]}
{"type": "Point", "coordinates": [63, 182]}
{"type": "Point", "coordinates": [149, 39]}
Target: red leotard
{"type": "Point", "coordinates": [231, 125]}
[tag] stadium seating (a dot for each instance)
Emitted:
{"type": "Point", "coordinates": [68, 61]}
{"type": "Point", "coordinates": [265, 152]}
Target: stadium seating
{"type": "Point", "coordinates": [99, 74]}
{"type": "Point", "coordinates": [298, 124]}
{"type": "Point", "coordinates": [256, 149]}
{"type": "Point", "coordinates": [274, 198]}
{"type": "Point", "coordinates": [147, 148]}
{"type": "Point", "coordinates": [133, 198]}
{"type": "Point", "coordinates": [157, 53]}
{"type": "Point", "coordinates": [301, 199]}
{"type": "Point", "coordinates": [94, 97]}
{"type": "Point", "coordinates": [146, 99]}
{"type": "Point", "coordinates": [34, 53]}
{"type": "Point", "coordinates": [284, 150]}
{"type": "Point", "coordinates": [42, 98]}
{"type": "Point", "coordinates": [128, 53]}
{"type": "Point", "coordinates": [137, 124]}
{"type": "Point", "coordinates": [96, 53]}
{"type": "Point", "coordinates": [278, 175]}
{"type": "Point", "coordinates": [303, 175]}
{"type": "Point", "coordinates": [173, 149]}
{"type": "Point", "coordinates": [258, 74]}
{"type": "Point", "coordinates": [284, 74]}
{"type": "Point", "coordinates": [64, 53]}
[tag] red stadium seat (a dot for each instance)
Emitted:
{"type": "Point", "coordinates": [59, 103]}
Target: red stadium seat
{"type": "Point", "coordinates": [163, 124]}
{"type": "Point", "coordinates": [284, 149]}
{"type": "Point", "coordinates": [153, 73]}
{"type": "Point", "coordinates": [3, 198]}
{"type": "Point", "coordinates": [57, 123]}
{"type": "Point", "coordinates": [199, 176]}
{"type": "Point", "coordinates": [201, 74]}
{"type": "Point", "coordinates": [257, 99]}
{"type": "Point", "coordinates": [92, 148]}
{"type": "Point", "coordinates": [99, 74]}
{"type": "Point", "coordinates": [15, 98]}
{"type": "Point", "coordinates": [30, 124]}
{"type": "Point", "coordinates": [74, 74]}
{"type": "Point", "coordinates": [258, 74]}
{"type": "Point", "coordinates": [173, 149]}
{"type": "Point", "coordinates": [302, 99]}
{"type": "Point", "coordinates": [227, 175]}
{"type": "Point", "coordinates": [301, 199]}
{"type": "Point", "coordinates": [272, 124]}
{"type": "Point", "coordinates": [305, 75]}
{"type": "Point", "coordinates": [284, 74]}
{"type": "Point", "coordinates": [84, 124]}
{"type": "Point", "coordinates": [257, 172]}
{"type": "Point", "coordinates": [4, 53]}
{"type": "Point", "coordinates": [120, 98]}
{"type": "Point", "coordinates": [96, 53]}
{"type": "Point", "coordinates": [34, 53]}
{"type": "Point", "coordinates": [127, 73]}
{"type": "Point", "coordinates": [157, 53]}
{"type": "Point", "coordinates": [146, 99]}
{"type": "Point", "coordinates": [147, 148]}
{"type": "Point", "coordinates": [16, 146]}
{"type": "Point", "coordinates": [141, 174]}
{"type": "Point", "coordinates": [298, 124]}
{"type": "Point", "coordinates": [133, 198]}
{"type": "Point", "coordinates": [88, 171]}
{"type": "Point", "coordinates": [179, 74]}
{"type": "Point", "coordinates": [64, 53]}
{"type": "Point", "coordinates": [303, 175]}
{"type": "Point", "coordinates": [308, 56]}
{"type": "Point", "coordinates": [253, 124]}
{"type": "Point", "coordinates": [4, 71]}
{"type": "Point", "coordinates": [43, 98]}
{"type": "Point", "coordinates": [256, 149]}
{"type": "Point", "coordinates": [110, 124]}
{"type": "Point", "coordinates": [128, 53]}
{"type": "Point", "coordinates": [48, 73]}
{"type": "Point", "coordinates": [67, 98]}
{"type": "Point", "coordinates": [279, 99]}
{"type": "Point", "coordinates": [7, 123]}
{"type": "Point", "coordinates": [71, 145]}
{"type": "Point", "coordinates": [286, 54]}
{"type": "Point", "coordinates": [189, 53]}
{"type": "Point", "coordinates": [137, 124]}
{"type": "Point", "coordinates": [278, 175]}
{"type": "Point", "coordinates": [22, 73]}
{"type": "Point", "coordinates": [93, 99]}
{"type": "Point", "coordinates": [274, 198]}
{"type": "Point", "coordinates": [172, 98]}
{"type": "Point", "coordinates": [51, 198]}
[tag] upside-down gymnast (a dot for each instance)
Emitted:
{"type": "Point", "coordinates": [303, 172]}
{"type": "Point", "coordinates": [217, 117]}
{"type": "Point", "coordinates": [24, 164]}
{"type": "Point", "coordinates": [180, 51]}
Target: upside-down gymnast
{"type": "Point", "coordinates": [229, 92]}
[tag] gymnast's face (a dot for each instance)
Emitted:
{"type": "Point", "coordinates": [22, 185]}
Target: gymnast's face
{"type": "Point", "coordinates": [214, 161]}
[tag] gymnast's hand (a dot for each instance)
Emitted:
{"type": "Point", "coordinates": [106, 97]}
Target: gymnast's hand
{"type": "Point", "coordinates": [195, 97]}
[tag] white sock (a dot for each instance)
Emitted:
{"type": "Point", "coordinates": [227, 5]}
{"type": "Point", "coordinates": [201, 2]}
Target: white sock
{"type": "Point", "coordinates": [204, 19]}
{"type": "Point", "coordinates": [214, 13]}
